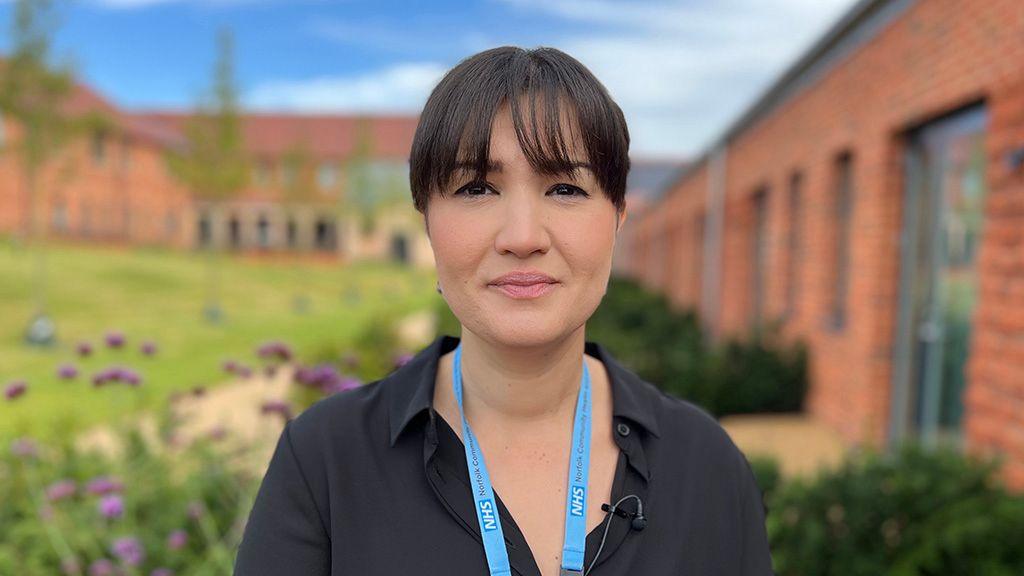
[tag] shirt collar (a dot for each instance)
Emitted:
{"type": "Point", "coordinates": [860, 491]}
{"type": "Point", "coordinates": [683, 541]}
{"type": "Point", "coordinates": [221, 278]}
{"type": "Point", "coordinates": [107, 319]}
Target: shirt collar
{"type": "Point", "coordinates": [411, 387]}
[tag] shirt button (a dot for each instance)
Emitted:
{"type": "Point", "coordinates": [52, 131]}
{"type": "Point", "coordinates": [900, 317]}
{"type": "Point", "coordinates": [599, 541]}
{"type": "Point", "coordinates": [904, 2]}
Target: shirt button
{"type": "Point", "coordinates": [622, 429]}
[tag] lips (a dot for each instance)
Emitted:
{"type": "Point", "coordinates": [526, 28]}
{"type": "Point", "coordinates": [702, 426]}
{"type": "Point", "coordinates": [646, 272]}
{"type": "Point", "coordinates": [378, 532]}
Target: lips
{"type": "Point", "coordinates": [525, 284]}
{"type": "Point", "coordinates": [523, 278]}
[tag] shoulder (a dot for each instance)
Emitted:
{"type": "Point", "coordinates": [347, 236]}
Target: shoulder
{"type": "Point", "coordinates": [690, 432]}
{"type": "Point", "coordinates": [339, 423]}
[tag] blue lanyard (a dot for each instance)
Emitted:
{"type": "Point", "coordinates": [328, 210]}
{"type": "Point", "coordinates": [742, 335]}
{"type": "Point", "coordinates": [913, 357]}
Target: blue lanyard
{"type": "Point", "coordinates": [576, 495]}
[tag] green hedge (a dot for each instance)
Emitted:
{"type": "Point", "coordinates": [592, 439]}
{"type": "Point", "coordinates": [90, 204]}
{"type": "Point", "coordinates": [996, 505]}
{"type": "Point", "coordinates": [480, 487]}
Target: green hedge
{"type": "Point", "coordinates": [912, 513]}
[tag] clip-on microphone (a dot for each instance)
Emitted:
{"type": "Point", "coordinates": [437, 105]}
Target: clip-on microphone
{"type": "Point", "coordinates": [638, 520]}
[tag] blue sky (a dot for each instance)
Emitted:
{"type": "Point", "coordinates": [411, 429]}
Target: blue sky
{"type": "Point", "coordinates": [681, 70]}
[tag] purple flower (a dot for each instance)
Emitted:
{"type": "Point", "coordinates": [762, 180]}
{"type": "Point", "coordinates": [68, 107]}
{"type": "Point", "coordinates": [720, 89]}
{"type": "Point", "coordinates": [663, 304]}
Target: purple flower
{"type": "Point", "coordinates": [101, 567]}
{"type": "Point", "coordinates": [24, 448]}
{"type": "Point", "coordinates": [162, 572]}
{"type": "Point", "coordinates": [229, 366]}
{"type": "Point", "coordinates": [114, 339]}
{"type": "Point", "coordinates": [148, 348]}
{"type": "Point", "coordinates": [67, 372]}
{"type": "Point", "coordinates": [277, 407]}
{"type": "Point", "coordinates": [177, 540]}
{"type": "Point", "coordinates": [342, 384]}
{"type": "Point", "coordinates": [61, 490]}
{"type": "Point", "coordinates": [322, 376]}
{"type": "Point", "coordinates": [111, 506]}
{"type": "Point", "coordinates": [116, 374]}
{"type": "Point", "coordinates": [275, 351]}
{"type": "Point", "coordinates": [129, 550]}
{"type": "Point", "coordinates": [15, 389]}
{"type": "Point", "coordinates": [103, 485]}
{"type": "Point", "coordinates": [402, 359]}
{"type": "Point", "coordinates": [83, 349]}
{"type": "Point", "coordinates": [131, 378]}
{"type": "Point", "coordinates": [243, 372]}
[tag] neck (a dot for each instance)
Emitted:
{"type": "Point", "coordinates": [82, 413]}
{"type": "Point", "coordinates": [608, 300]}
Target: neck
{"type": "Point", "coordinates": [521, 385]}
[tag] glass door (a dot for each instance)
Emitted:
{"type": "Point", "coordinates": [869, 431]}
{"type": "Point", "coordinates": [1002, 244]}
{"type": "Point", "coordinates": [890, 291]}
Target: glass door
{"type": "Point", "coordinates": [943, 215]}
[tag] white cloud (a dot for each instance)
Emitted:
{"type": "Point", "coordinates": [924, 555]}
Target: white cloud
{"type": "Point", "coordinates": [682, 70]}
{"type": "Point", "coordinates": [400, 88]}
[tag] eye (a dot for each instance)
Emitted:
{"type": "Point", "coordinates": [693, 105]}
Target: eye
{"type": "Point", "coordinates": [473, 189]}
{"type": "Point", "coordinates": [568, 190]}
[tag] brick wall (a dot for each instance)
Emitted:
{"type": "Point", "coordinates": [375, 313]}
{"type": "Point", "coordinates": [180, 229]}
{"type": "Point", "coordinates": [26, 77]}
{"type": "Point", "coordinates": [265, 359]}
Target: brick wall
{"type": "Point", "coordinates": [126, 195]}
{"type": "Point", "coordinates": [934, 58]}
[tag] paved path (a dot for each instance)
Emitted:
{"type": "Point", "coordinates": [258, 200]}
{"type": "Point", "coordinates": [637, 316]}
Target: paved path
{"type": "Point", "coordinates": [801, 445]}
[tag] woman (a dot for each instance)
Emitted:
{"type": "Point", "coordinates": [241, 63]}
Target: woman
{"type": "Point", "coordinates": [519, 447]}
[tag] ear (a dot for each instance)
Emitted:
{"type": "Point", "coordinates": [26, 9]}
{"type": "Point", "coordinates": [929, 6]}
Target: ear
{"type": "Point", "coordinates": [621, 220]}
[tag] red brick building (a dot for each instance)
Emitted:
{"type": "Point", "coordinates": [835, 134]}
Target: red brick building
{"type": "Point", "coordinates": [109, 186]}
{"type": "Point", "coordinates": [872, 203]}
{"type": "Point", "coordinates": [116, 186]}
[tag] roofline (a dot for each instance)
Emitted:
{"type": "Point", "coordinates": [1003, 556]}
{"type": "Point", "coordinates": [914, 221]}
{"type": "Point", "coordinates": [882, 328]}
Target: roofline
{"type": "Point", "coordinates": [291, 114]}
{"type": "Point", "coordinates": [846, 35]}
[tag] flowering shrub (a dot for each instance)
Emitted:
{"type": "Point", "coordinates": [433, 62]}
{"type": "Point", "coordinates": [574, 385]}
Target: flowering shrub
{"type": "Point", "coordinates": [158, 507]}
{"type": "Point", "coordinates": [158, 510]}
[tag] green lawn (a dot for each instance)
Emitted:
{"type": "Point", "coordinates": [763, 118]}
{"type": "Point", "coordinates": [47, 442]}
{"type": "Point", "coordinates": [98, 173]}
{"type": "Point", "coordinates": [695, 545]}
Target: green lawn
{"type": "Point", "coordinates": [158, 295]}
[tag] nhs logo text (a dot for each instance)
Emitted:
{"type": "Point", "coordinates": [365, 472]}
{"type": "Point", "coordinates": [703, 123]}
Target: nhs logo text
{"type": "Point", "coordinates": [578, 500]}
{"type": "Point", "coordinates": [488, 515]}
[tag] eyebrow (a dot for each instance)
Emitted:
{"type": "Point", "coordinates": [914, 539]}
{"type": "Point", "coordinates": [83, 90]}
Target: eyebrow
{"type": "Point", "coordinates": [497, 166]}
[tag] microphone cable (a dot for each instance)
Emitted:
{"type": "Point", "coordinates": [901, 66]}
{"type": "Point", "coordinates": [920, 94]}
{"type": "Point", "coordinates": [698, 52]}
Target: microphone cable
{"type": "Point", "coordinates": [639, 522]}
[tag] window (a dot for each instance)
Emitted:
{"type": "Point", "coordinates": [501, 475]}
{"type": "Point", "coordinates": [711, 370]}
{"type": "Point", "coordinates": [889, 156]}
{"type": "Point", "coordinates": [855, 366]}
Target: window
{"type": "Point", "coordinates": [205, 230]}
{"type": "Point", "coordinates": [759, 253]}
{"type": "Point", "coordinates": [99, 146]}
{"type": "Point", "coordinates": [325, 234]}
{"type": "Point", "coordinates": [842, 206]}
{"type": "Point", "coordinates": [794, 242]}
{"type": "Point", "coordinates": [263, 231]}
{"type": "Point", "coordinates": [234, 232]}
{"type": "Point", "coordinates": [697, 259]}
{"type": "Point", "coordinates": [292, 233]}
{"type": "Point", "coordinates": [327, 176]}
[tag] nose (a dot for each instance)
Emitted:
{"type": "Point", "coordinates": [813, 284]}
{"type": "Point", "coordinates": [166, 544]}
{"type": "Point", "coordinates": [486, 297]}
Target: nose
{"type": "Point", "coordinates": [524, 228]}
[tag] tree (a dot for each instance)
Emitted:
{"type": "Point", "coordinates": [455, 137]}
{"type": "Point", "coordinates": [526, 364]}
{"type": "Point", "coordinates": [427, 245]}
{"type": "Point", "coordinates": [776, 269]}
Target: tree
{"type": "Point", "coordinates": [300, 189]}
{"type": "Point", "coordinates": [35, 94]}
{"type": "Point", "coordinates": [372, 187]}
{"type": "Point", "coordinates": [213, 162]}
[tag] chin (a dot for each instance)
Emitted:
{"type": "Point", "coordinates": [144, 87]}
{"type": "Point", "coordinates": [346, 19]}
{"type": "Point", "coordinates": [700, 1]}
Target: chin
{"type": "Point", "coordinates": [522, 333]}
{"type": "Point", "coordinates": [527, 330]}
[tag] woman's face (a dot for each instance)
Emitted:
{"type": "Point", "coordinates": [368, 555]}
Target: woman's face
{"type": "Point", "coordinates": [522, 221]}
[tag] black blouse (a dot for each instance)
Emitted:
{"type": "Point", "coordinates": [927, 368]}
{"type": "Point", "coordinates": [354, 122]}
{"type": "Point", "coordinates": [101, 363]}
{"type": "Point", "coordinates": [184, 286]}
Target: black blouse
{"type": "Point", "coordinates": [373, 482]}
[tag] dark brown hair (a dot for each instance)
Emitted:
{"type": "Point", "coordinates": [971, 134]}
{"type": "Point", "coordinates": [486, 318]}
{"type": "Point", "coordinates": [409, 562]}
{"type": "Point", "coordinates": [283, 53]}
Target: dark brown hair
{"type": "Point", "coordinates": [455, 125]}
